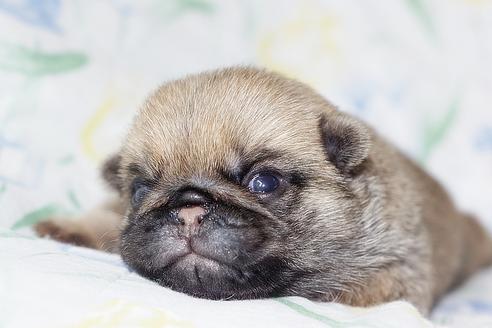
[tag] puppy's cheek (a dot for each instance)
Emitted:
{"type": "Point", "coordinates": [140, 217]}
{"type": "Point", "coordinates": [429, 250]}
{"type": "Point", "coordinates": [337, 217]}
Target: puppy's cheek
{"type": "Point", "coordinates": [150, 247]}
{"type": "Point", "coordinates": [230, 245]}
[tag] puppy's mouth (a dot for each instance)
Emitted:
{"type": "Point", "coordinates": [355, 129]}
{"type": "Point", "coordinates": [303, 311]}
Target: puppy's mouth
{"type": "Point", "coordinates": [203, 277]}
{"type": "Point", "coordinates": [201, 271]}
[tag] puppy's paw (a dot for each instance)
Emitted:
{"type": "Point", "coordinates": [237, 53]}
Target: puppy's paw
{"type": "Point", "coordinates": [65, 232]}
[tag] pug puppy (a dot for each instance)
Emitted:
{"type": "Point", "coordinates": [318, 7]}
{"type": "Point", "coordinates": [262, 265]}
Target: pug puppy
{"type": "Point", "coordinates": [241, 184]}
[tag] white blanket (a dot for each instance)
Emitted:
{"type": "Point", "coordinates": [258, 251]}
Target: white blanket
{"type": "Point", "coordinates": [48, 284]}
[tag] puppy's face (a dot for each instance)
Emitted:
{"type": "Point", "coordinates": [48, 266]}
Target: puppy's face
{"type": "Point", "coordinates": [240, 184]}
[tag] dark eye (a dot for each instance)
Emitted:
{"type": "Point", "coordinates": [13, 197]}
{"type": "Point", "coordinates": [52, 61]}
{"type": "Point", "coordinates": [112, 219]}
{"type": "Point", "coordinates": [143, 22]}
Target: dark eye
{"type": "Point", "coordinates": [264, 183]}
{"type": "Point", "coordinates": [139, 190]}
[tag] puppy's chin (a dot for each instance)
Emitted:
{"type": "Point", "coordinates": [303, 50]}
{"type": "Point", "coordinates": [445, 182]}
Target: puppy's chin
{"type": "Point", "coordinates": [222, 261]}
{"type": "Point", "coordinates": [206, 278]}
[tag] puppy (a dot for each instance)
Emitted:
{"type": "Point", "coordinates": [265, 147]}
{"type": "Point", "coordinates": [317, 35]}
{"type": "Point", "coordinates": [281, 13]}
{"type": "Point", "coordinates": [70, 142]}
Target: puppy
{"type": "Point", "coordinates": [240, 184]}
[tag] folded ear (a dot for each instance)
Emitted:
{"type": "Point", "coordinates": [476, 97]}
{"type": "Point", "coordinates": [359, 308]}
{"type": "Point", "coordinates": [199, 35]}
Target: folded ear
{"type": "Point", "coordinates": [346, 140]}
{"type": "Point", "coordinates": [110, 172]}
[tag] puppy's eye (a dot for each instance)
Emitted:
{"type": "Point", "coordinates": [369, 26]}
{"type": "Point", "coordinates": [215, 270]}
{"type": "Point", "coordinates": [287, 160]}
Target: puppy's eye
{"type": "Point", "coordinates": [139, 190]}
{"type": "Point", "coordinates": [263, 183]}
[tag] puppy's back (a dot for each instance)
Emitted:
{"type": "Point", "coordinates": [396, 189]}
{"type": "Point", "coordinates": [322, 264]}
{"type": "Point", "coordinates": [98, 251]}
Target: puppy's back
{"type": "Point", "coordinates": [459, 245]}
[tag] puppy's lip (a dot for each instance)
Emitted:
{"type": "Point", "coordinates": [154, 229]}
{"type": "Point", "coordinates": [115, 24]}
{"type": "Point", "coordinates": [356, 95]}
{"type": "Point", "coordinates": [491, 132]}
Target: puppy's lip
{"type": "Point", "coordinates": [196, 258]}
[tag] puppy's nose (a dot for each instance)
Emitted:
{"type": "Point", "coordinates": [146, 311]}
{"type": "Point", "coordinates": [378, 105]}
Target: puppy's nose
{"type": "Point", "coordinates": [192, 208]}
{"type": "Point", "coordinates": [191, 216]}
{"type": "Point", "coordinates": [190, 197]}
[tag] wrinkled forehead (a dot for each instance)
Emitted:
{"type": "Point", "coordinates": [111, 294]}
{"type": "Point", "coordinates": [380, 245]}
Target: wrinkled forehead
{"type": "Point", "coordinates": [203, 123]}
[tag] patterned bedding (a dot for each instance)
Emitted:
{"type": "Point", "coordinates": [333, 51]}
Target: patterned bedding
{"type": "Point", "coordinates": [72, 74]}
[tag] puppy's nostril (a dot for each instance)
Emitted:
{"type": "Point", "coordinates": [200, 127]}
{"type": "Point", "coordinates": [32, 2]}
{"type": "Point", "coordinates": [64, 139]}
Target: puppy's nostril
{"type": "Point", "coordinates": [191, 216]}
{"type": "Point", "coordinates": [191, 207]}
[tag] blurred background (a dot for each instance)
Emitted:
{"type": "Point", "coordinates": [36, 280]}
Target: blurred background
{"type": "Point", "coordinates": [73, 73]}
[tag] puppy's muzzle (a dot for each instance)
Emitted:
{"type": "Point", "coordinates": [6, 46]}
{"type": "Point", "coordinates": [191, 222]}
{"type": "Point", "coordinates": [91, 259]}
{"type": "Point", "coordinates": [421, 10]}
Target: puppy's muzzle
{"type": "Point", "coordinates": [198, 244]}
{"type": "Point", "coordinates": [193, 208]}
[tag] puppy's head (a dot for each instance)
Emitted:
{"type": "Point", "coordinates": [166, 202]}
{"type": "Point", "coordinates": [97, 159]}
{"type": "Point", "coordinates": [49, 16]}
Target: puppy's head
{"type": "Point", "coordinates": [240, 184]}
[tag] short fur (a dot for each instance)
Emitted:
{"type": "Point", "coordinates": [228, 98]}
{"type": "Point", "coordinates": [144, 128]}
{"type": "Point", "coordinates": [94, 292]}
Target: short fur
{"type": "Point", "coordinates": [353, 221]}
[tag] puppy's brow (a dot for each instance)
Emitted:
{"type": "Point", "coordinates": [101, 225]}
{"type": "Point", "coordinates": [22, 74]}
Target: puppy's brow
{"type": "Point", "coordinates": [247, 161]}
{"type": "Point", "coordinates": [233, 175]}
{"type": "Point", "coordinates": [136, 169]}
{"type": "Point", "coordinates": [256, 157]}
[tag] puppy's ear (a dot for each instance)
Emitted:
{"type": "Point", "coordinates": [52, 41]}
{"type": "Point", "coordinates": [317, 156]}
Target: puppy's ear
{"type": "Point", "coordinates": [110, 172]}
{"type": "Point", "coordinates": [346, 140]}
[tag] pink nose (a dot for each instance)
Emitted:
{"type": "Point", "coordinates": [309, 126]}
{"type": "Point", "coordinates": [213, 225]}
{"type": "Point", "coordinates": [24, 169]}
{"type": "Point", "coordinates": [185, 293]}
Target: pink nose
{"type": "Point", "coordinates": [191, 218]}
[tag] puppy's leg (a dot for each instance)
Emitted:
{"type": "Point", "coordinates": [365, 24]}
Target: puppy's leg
{"type": "Point", "coordinates": [99, 228]}
{"type": "Point", "coordinates": [391, 284]}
